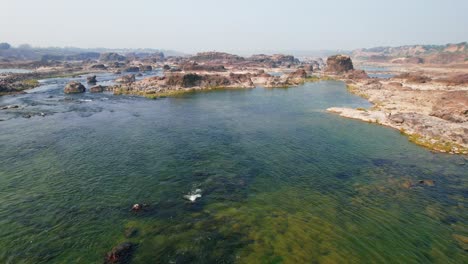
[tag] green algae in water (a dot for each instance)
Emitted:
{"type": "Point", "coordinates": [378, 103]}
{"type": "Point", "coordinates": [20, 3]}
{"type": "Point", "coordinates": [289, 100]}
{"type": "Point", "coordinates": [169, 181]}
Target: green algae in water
{"type": "Point", "coordinates": [282, 182]}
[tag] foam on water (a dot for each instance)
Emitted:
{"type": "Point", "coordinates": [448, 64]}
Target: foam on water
{"type": "Point", "coordinates": [193, 195]}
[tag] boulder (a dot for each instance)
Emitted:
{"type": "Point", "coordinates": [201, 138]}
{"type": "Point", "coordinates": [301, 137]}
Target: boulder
{"type": "Point", "coordinates": [74, 87]}
{"type": "Point", "coordinates": [339, 64]}
{"type": "Point", "coordinates": [132, 69]}
{"type": "Point", "coordinates": [97, 89]}
{"type": "Point", "coordinates": [146, 68]}
{"type": "Point", "coordinates": [91, 79]}
{"type": "Point", "coordinates": [126, 79]}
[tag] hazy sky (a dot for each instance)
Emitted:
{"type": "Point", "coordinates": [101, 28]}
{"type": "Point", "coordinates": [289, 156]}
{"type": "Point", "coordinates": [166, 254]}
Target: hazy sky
{"type": "Point", "coordinates": [237, 25]}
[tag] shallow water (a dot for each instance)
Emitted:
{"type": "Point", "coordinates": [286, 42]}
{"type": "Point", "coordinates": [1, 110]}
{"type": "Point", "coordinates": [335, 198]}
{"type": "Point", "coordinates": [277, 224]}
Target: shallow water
{"type": "Point", "coordinates": [14, 71]}
{"type": "Point", "coordinates": [376, 72]}
{"type": "Point", "coordinates": [280, 179]}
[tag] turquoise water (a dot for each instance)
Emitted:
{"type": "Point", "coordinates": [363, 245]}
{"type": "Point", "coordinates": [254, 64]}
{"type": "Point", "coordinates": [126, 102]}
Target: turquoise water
{"type": "Point", "coordinates": [282, 181]}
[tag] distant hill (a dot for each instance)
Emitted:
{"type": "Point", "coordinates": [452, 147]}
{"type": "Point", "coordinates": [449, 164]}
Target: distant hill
{"type": "Point", "coordinates": [26, 52]}
{"type": "Point", "coordinates": [428, 54]}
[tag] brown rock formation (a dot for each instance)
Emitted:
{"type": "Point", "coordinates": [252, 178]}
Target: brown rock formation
{"type": "Point", "coordinates": [74, 87]}
{"type": "Point", "coordinates": [339, 64]}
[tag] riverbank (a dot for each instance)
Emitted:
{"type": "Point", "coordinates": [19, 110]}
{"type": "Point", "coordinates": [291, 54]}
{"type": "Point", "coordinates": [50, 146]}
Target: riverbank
{"type": "Point", "coordinates": [429, 106]}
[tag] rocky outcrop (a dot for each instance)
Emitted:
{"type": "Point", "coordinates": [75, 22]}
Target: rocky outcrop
{"type": "Point", "coordinates": [111, 56]}
{"type": "Point", "coordinates": [216, 57]}
{"type": "Point", "coordinates": [274, 61]}
{"type": "Point", "coordinates": [191, 80]}
{"type": "Point", "coordinates": [424, 112]}
{"type": "Point", "coordinates": [452, 106]}
{"type": "Point", "coordinates": [193, 66]}
{"type": "Point", "coordinates": [74, 87]}
{"type": "Point", "coordinates": [356, 75]}
{"type": "Point", "coordinates": [296, 77]}
{"type": "Point", "coordinates": [339, 64]}
{"type": "Point", "coordinates": [126, 79]}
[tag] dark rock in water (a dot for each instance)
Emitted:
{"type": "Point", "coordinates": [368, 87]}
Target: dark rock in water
{"type": "Point", "coordinates": [97, 89]}
{"type": "Point", "coordinates": [74, 87]}
{"type": "Point", "coordinates": [339, 64]}
{"type": "Point", "coordinates": [166, 67]}
{"type": "Point", "coordinates": [137, 207]}
{"type": "Point", "coordinates": [9, 107]}
{"type": "Point", "coordinates": [139, 75]}
{"type": "Point", "coordinates": [145, 68]}
{"type": "Point", "coordinates": [117, 72]}
{"type": "Point", "coordinates": [120, 254]}
{"type": "Point", "coordinates": [91, 79]}
{"type": "Point", "coordinates": [132, 69]}
{"type": "Point", "coordinates": [427, 182]}
{"type": "Point", "coordinates": [27, 116]}
{"type": "Point", "coordinates": [126, 79]}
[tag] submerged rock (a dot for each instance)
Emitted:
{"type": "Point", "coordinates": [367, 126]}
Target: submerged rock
{"type": "Point", "coordinates": [120, 254]}
{"type": "Point", "coordinates": [131, 232]}
{"type": "Point", "coordinates": [74, 87]}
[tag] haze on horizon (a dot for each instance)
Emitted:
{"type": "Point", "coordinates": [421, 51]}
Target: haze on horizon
{"type": "Point", "coordinates": [236, 26]}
